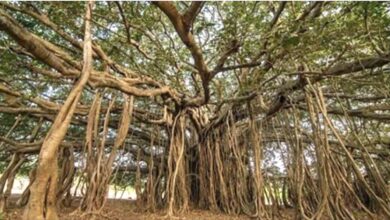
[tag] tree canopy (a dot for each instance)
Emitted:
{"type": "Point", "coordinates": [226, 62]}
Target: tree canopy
{"type": "Point", "coordinates": [229, 106]}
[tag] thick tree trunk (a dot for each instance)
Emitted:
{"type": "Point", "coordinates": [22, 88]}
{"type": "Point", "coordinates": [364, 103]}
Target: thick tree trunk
{"type": "Point", "coordinates": [42, 202]}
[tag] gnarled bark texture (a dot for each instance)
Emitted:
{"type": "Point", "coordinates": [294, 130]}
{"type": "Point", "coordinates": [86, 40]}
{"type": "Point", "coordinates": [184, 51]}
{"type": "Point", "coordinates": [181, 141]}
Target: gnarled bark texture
{"type": "Point", "coordinates": [42, 203]}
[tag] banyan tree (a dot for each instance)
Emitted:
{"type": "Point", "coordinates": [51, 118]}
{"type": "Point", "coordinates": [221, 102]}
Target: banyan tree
{"type": "Point", "coordinates": [244, 108]}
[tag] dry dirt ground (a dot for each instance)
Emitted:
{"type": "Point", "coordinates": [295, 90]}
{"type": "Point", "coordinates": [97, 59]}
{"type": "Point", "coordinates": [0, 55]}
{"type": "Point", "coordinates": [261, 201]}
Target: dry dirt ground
{"type": "Point", "coordinates": [127, 210]}
{"type": "Point", "coordinates": [117, 209]}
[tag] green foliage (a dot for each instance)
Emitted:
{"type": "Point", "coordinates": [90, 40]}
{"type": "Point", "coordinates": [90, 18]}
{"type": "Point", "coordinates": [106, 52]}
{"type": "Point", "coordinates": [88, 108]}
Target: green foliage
{"type": "Point", "coordinates": [342, 32]}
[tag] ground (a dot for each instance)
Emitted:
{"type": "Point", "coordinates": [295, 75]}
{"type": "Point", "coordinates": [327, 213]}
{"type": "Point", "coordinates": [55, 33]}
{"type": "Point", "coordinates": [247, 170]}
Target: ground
{"type": "Point", "coordinates": [124, 209]}
{"type": "Point", "coordinates": [121, 209]}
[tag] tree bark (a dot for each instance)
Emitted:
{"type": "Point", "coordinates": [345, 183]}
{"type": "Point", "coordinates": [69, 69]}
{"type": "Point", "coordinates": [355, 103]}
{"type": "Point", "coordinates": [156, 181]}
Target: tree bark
{"type": "Point", "coordinates": [42, 202]}
{"type": "Point", "coordinates": [9, 177]}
